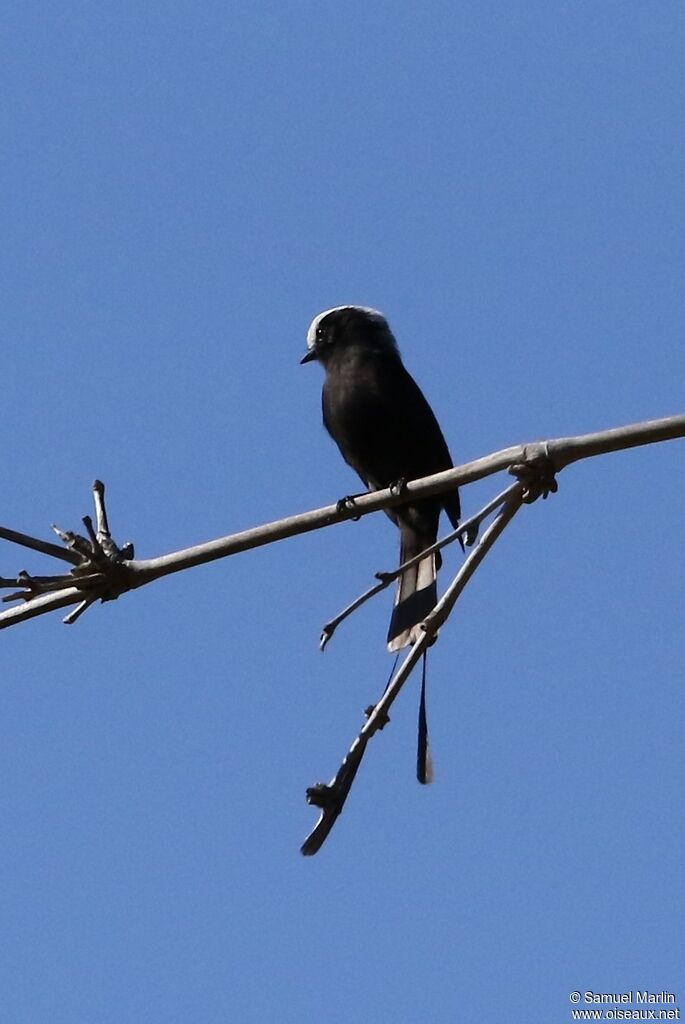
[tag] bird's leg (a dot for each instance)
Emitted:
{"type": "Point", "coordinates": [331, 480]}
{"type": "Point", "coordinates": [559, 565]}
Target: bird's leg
{"type": "Point", "coordinates": [347, 504]}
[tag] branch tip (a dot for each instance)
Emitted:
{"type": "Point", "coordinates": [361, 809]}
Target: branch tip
{"type": "Point", "coordinates": [97, 569]}
{"type": "Point", "coordinates": [78, 611]}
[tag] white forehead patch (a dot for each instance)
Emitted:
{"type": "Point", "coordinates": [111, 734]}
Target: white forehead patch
{"type": "Point", "coordinates": [372, 314]}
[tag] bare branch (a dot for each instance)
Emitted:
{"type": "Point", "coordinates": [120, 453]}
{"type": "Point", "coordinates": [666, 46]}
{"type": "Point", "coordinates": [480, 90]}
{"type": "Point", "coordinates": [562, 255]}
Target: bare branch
{"type": "Point", "coordinates": [78, 611]}
{"type": "Point", "coordinates": [535, 467]}
{"type": "Point", "coordinates": [97, 572]}
{"type": "Point", "coordinates": [566, 450]}
{"type": "Point", "coordinates": [44, 546]}
{"type": "Point", "coordinates": [330, 798]}
{"type": "Point", "coordinates": [103, 571]}
{"type": "Point", "coordinates": [40, 605]}
{"type": "Point", "coordinates": [101, 511]}
{"type": "Point", "coordinates": [468, 527]}
{"type": "Point", "coordinates": [121, 573]}
{"type": "Point", "coordinates": [560, 452]}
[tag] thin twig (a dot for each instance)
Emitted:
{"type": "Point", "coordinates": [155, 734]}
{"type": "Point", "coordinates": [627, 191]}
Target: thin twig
{"type": "Point", "coordinates": [44, 546]}
{"type": "Point", "coordinates": [386, 578]}
{"type": "Point", "coordinates": [100, 510]}
{"type": "Point", "coordinates": [92, 536]}
{"type": "Point", "coordinates": [329, 628]}
{"type": "Point", "coordinates": [435, 619]}
{"type": "Point", "coordinates": [34, 585]}
{"type": "Point", "coordinates": [78, 611]}
{"type": "Point", "coordinates": [331, 798]}
{"type": "Point", "coordinates": [40, 605]}
{"type": "Point", "coordinates": [99, 571]}
{"type": "Point", "coordinates": [76, 543]}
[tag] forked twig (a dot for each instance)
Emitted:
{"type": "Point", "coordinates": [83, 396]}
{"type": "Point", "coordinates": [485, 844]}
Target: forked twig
{"type": "Point", "coordinates": [467, 528]}
{"type": "Point", "coordinates": [330, 797]}
{"type": "Point", "coordinates": [98, 570]}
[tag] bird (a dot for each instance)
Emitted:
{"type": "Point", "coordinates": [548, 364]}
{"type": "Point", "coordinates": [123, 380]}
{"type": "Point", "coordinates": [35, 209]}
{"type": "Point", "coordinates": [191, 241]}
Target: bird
{"type": "Point", "coordinates": [387, 432]}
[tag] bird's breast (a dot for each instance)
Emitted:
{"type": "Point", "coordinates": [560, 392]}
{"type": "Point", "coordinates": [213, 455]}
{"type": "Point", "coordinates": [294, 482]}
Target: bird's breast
{"type": "Point", "coordinates": [362, 418]}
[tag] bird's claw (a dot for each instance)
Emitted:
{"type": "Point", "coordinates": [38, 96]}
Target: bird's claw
{"type": "Point", "coordinates": [345, 505]}
{"type": "Point", "coordinates": [398, 487]}
{"type": "Point", "coordinates": [382, 719]}
{"type": "Point", "coordinates": [537, 476]}
{"type": "Point", "coordinates": [471, 535]}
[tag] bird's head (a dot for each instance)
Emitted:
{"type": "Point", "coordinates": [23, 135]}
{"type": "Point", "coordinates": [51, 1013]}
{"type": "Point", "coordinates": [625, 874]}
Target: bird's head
{"type": "Point", "coordinates": [346, 327]}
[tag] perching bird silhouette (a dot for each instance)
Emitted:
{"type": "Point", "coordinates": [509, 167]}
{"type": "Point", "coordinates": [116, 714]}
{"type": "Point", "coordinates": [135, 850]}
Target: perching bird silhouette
{"type": "Point", "coordinates": [387, 432]}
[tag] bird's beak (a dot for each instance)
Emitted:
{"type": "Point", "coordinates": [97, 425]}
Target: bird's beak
{"type": "Point", "coordinates": [308, 356]}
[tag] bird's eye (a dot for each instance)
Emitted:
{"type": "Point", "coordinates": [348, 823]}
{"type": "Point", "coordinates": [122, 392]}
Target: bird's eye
{"type": "Point", "coordinates": [320, 333]}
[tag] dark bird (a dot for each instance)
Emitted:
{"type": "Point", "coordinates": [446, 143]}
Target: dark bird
{"type": "Point", "coordinates": [386, 430]}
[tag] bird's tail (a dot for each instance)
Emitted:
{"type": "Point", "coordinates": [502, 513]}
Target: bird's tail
{"type": "Point", "coordinates": [424, 761]}
{"type": "Point", "coordinates": [416, 594]}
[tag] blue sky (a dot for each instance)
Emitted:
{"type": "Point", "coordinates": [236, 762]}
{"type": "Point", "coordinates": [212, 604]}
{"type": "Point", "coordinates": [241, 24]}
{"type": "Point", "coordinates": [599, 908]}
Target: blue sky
{"type": "Point", "coordinates": [184, 187]}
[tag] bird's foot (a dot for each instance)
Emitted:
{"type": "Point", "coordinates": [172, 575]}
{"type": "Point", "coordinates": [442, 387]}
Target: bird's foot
{"type": "Point", "coordinates": [471, 535]}
{"type": "Point", "coordinates": [346, 505]}
{"type": "Point", "coordinates": [382, 719]}
{"type": "Point", "coordinates": [398, 487]}
{"type": "Point", "coordinates": [537, 474]}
